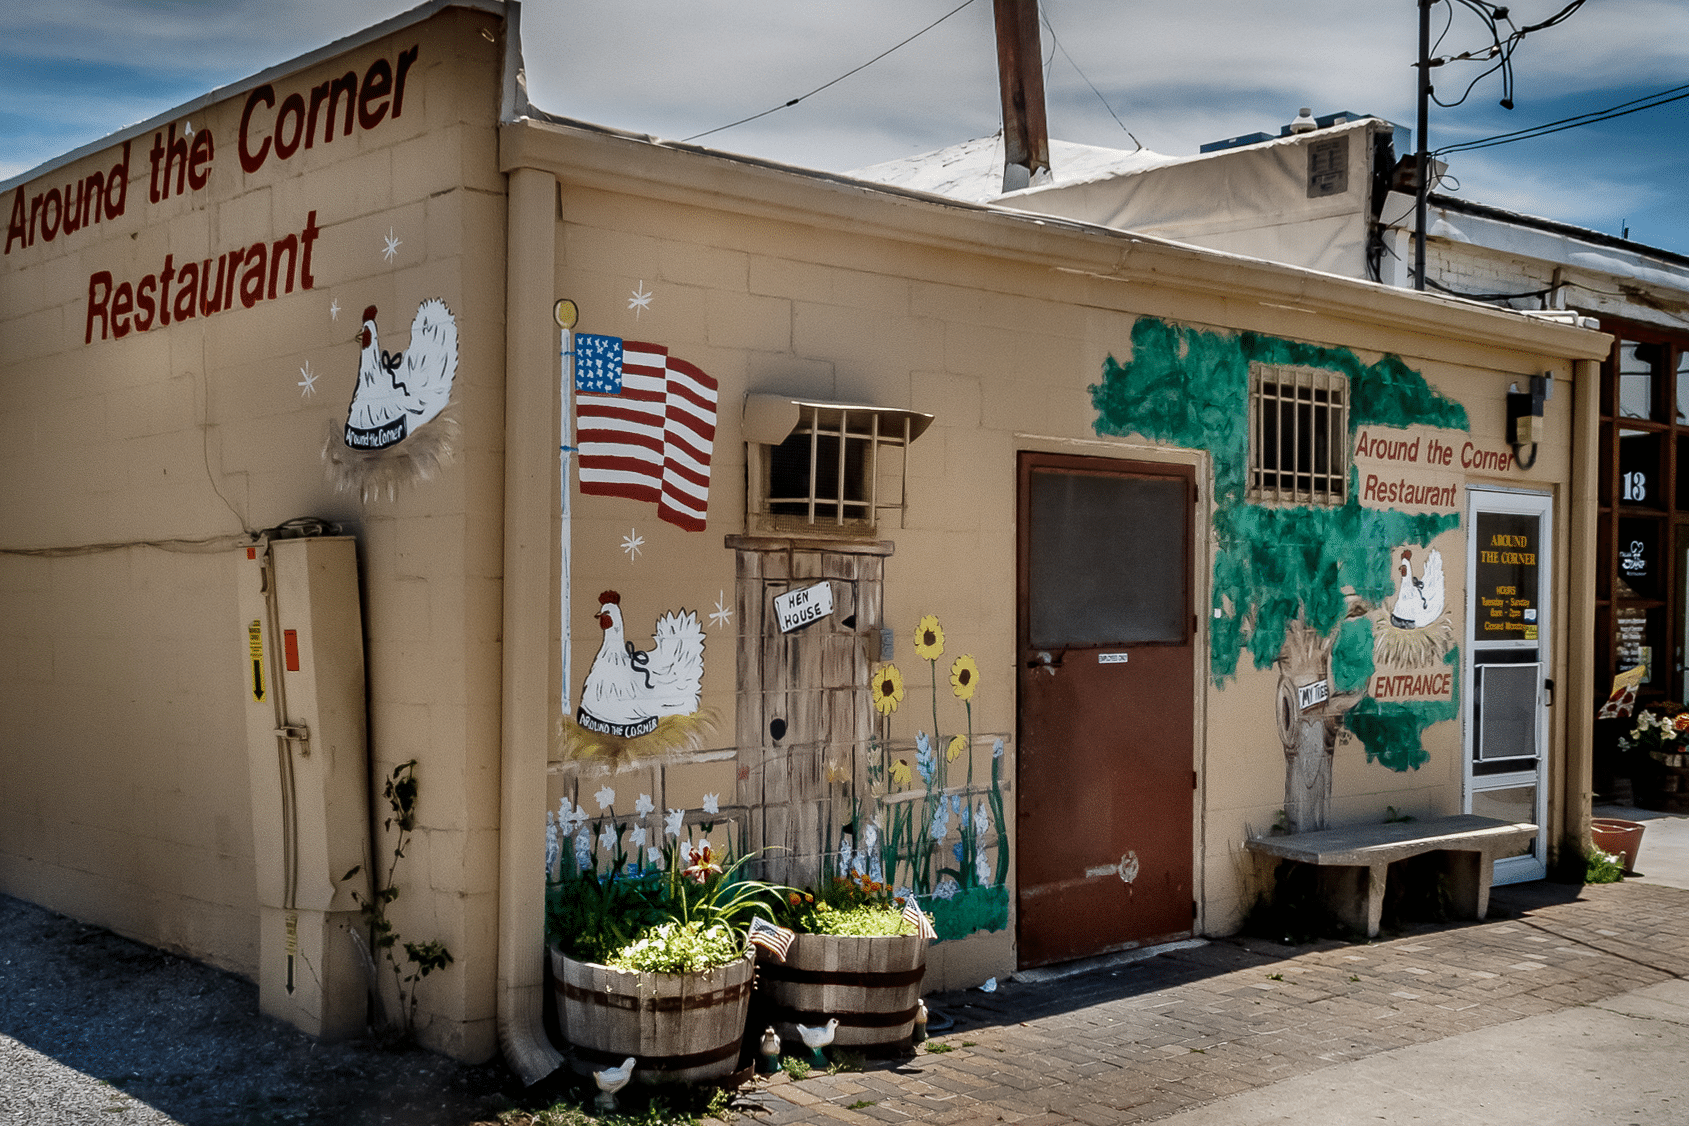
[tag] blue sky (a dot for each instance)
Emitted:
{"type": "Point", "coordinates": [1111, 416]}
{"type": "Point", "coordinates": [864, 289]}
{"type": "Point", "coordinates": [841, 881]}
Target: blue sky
{"type": "Point", "coordinates": [1177, 75]}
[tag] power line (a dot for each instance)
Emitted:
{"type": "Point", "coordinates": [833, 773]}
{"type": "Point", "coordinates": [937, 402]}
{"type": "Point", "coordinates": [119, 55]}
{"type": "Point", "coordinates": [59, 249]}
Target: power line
{"type": "Point", "coordinates": [1045, 15]}
{"type": "Point", "coordinates": [834, 82]}
{"type": "Point", "coordinates": [1635, 105]}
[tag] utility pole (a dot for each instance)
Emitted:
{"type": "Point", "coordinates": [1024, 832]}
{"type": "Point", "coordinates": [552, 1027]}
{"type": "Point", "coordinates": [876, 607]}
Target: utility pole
{"type": "Point", "coordinates": [1020, 73]}
{"type": "Point", "coordinates": [1423, 160]}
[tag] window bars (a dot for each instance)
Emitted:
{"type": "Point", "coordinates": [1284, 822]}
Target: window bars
{"type": "Point", "coordinates": [1298, 435]}
{"type": "Point", "coordinates": [828, 470]}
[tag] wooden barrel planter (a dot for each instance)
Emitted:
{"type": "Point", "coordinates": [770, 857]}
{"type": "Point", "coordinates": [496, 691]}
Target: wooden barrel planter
{"type": "Point", "coordinates": [872, 985]}
{"type": "Point", "coordinates": [680, 1028]}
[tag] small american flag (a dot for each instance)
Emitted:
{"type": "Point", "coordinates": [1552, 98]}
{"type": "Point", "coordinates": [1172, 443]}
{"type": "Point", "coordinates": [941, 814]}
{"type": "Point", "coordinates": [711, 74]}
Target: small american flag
{"type": "Point", "coordinates": [917, 918]}
{"type": "Point", "coordinates": [645, 424]}
{"type": "Point", "coordinates": [774, 939]}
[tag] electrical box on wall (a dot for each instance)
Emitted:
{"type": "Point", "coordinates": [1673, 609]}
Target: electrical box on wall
{"type": "Point", "coordinates": [303, 680]}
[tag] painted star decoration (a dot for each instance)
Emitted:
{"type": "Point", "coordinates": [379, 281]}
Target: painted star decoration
{"type": "Point", "coordinates": [641, 299]}
{"type": "Point", "coordinates": [391, 250]}
{"type": "Point", "coordinates": [632, 543]}
{"type": "Point", "coordinates": [334, 309]}
{"type": "Point", "coordinates": [723, 615]}
{"type": "Point", "coordinates": [309, 382]}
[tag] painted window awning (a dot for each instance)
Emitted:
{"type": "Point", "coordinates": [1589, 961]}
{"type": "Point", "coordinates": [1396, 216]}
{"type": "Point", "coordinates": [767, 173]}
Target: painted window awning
{"type": "Point", "coordinates": [771, 419]}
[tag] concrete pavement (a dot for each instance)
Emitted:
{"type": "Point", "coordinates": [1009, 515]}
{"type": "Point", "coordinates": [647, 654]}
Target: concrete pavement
{"type": "Point", "coordinates": [1570, 1004]}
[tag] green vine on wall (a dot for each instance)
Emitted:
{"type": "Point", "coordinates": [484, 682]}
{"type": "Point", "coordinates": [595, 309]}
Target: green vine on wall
{"type": "Point", "coordinates": [421, 958]}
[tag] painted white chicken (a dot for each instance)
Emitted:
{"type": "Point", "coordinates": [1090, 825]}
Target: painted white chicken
{"type": "Point", "coordinates": [817, 1038]}
{"type": "Point", "coordinates": [611, 1080]}
{"type": "Point", "coordinates": [1419, 601]}
{"type": "Point", "coordinates": [400, 391]}
{"type": "Point", "coordinates": [627, 690]}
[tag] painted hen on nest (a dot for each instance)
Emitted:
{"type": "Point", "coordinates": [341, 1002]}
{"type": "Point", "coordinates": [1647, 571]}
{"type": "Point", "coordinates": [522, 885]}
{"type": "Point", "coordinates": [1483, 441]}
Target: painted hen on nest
{"type": "Point", "coordinates": [400, 391]}
{"type": "Point", "coordinates": [628, 691]}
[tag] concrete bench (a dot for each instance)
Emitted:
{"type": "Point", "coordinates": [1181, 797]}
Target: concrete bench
{"type": "Point", "coordinates": [1355, 861]}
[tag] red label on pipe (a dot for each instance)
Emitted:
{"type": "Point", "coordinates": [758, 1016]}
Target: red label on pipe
{"type": "Point", "coordinates": [290, 648]}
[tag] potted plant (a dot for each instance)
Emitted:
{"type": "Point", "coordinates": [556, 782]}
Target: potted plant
{"type": "Point", "coordinates": [653, 964]}
{"type": "Point", "coordinates": [858, 956]}
{"type": "Point", "coordinates": [1659, 745]}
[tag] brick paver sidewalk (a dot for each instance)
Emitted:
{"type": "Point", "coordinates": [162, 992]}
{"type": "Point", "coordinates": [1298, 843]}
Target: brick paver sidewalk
{"type": "Point", "coordinates": [1153, 1038]}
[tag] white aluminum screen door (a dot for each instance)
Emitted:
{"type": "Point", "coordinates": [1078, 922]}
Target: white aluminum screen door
{"type": "Point", "coordinates": [1509, 656]}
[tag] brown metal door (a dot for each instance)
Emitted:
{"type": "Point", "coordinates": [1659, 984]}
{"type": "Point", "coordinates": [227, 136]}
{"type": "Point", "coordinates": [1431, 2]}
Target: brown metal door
{"type": "Point", "coordinates": [1106, 706]}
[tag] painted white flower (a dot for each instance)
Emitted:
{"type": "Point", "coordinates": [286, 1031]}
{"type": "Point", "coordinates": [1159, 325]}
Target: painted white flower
{"type": "Point", "coordinates": [643, 805]}
{"type": "Point", "coordinates": [941, 822]}
{"type": "Point", "coordinates": [982, 818]}
{"type": "Point", "coordinates": [551, 847]}
{"type": "Point", "coordinates": [583, 850]}
{"type": "Point", "coordinates": [997, 749]}
{"type": "Point", "coordinates": [871, 849]}
{"type": "Point", "coordinates": [606, 798]}
{"type": "Point", "coordinates": [636, 839]}
{"type": "Point", "coordinates": [608, 837]}
{"type": "Point", "coordinates": [982, 869]}
{"type": "Point", "coordinates": [671, 823]}
{"type": "Point", "coordinates": [947, 888]}
{"type": "Point", "coordinates": [712, 803]}
{"type": "Point", "coordinates": [654, 855]}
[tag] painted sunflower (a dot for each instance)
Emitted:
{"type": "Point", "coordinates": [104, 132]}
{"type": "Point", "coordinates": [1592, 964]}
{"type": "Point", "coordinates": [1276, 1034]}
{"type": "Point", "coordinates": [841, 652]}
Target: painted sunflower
{"type": "Point", "coordinates": [929, 639]}
{"type": "Point", "coordinates": [964, 677]}
{"type": "Point", "coordinates": [958, 744]}
{"type": "Point", "coordinates": [900, 772]}
{"type": "Point", "coordinates": [887, 689]}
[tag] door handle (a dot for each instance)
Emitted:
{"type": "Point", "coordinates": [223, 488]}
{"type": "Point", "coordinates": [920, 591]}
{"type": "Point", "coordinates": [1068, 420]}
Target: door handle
{"type": "Point", "coordinates": [1043, 660]}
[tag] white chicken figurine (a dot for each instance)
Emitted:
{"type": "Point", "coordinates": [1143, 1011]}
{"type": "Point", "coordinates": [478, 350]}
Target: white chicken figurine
{"type": "Point", "coordinates": [817, 1038]}
{"type": "Point", "coordinates": [1419, 601]}
{"type": "Point", "coordinates": [611, 1080]}
{"type": "Point", "coordinates": [400, 391]}
{"type": "Point", "coordinates": [627, 690]}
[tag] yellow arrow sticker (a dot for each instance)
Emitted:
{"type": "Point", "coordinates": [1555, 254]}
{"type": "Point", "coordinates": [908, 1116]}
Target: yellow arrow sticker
{"type": "Point", "coordinates": [255, 647]}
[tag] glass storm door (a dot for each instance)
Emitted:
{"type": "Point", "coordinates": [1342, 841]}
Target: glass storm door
{"type": "Point", "coordinates": [1106, 706]}
{"type": "Point", "coordinates": [1508, 658]}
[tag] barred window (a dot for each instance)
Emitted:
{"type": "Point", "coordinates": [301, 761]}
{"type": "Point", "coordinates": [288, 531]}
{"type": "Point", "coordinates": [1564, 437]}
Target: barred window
{"type": "Point", "coordinates": [816, 467]}
{"type": "Point", "coordinates": [1298, 435]}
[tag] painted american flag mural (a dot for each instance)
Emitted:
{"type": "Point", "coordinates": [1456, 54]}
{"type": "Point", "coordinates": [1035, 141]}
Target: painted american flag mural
{"type": "Point", "coordinates": [645, 425]}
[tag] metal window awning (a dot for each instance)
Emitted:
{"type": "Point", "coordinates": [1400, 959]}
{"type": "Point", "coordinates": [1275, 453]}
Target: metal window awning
{"type": "Point", "coordinates": [771, 419]}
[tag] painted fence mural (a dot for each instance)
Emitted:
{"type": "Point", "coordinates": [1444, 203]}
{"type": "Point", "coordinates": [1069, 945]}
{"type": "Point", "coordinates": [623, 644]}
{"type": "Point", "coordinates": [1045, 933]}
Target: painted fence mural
{"type": "Point", "coordinates": [1328, 594]}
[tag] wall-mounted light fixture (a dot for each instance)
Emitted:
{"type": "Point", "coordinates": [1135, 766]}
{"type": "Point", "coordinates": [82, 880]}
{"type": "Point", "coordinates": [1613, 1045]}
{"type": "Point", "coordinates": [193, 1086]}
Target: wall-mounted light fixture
{"type": "Point", "coordinates": [1524, 416]}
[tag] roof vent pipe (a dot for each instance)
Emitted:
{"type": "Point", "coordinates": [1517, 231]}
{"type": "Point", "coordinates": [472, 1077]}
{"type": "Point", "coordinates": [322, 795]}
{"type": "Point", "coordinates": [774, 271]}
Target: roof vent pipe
{"type": "Point", "coordinates": [1304, 122]}
{"type": "Point", "coordinates": [1020, 73]}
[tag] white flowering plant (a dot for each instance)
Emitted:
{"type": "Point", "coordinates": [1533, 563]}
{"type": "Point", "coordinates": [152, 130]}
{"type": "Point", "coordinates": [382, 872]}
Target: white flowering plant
{"type": "Point", "coordinates": [1659, 727]}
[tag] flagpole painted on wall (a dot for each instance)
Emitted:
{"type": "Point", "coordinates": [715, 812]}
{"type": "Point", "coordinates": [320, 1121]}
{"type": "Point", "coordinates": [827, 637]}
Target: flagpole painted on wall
{"type": "Point", "coordinates": [567, 315]}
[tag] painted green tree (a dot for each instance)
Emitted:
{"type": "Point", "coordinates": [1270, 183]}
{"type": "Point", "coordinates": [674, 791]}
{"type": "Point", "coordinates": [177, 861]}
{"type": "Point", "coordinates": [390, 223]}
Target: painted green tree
{"type": "Point", "coordinates": [1292, 584]}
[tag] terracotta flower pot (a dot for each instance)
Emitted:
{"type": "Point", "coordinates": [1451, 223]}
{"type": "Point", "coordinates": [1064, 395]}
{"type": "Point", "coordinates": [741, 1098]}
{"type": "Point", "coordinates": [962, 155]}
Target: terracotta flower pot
{"type": "Point", "coordinates": [1621, 838]}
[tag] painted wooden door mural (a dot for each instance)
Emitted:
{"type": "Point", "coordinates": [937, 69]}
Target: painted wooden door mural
{"type": "Point", "coordinates": [804, 717]}
{"type": "Point", "coordinates": [1106, 706]}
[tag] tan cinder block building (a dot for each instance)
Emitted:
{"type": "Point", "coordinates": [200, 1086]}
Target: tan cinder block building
{"type": "Point", "coordinates": [1028, 566]}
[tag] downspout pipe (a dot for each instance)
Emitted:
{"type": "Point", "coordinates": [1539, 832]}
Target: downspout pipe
{"type": "Point", "coordinates": [530, 453]}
